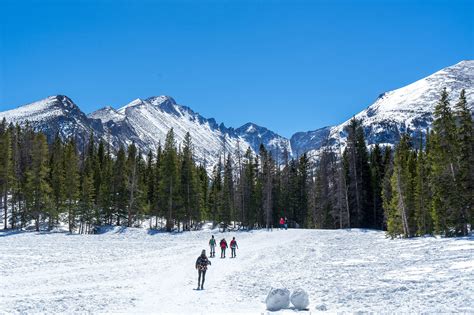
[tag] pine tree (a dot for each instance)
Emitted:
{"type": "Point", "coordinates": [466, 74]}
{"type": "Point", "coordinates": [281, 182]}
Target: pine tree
{"type": "Point", "coordinates": [6, 169]}
{"type": "Point", "coordinates": [465, 176]}
{"type": "Point", "coordinates": [169, 181]}
{"type": "Point", "coordinates": [86, 205]}
{"type": "Point", "coordinates": [422, 191]}
{"type": "Point", "coordinates": [189, 184]}
{"type": "Point", "coordinates": [132, 171]}
{"type": "Point", "coordinates": [293, 192]}
{"type": "Point", "coordinates": [266, 178]}
{"type": "Point", "coordinates": [227, 195]}
{"type": "Point", "coordinates": [57, 181]}
{"type": "Point", "coordinates": [150, 181]}
{"type": "Point", "coordinates": [215, 194]}
{"type": "Point", "coordinates": [71, 185]}
{"type": "Point", "coordinates": [119, 186]}
{"type": "Point", "coordinates": [322, 199]}
{"type": "Point", "coordinates": [248, 187]}
{"type": "Point", "coordinates": [158, 206]}
{"type": "Point", "coordinates": [17, 175]}
{"type": "Point", "coordinates": [37, 188]}
{"type": "Point", "coordinates": [400, 214]}
{"type": "Point", "coordinates": [303, 188]}
{"type": "Point", "coordinates": [443, 167]}
{"type": "Point", "coordinates": [358, 179]}
{"type": "Point", "coordinates": [99, 183]}
{"type": "Point", "coordinates": [105, 197]}
{"type": "Point", "coordinates": [203, 192]}
{"type": "Point", "coordinates": [377, 173]}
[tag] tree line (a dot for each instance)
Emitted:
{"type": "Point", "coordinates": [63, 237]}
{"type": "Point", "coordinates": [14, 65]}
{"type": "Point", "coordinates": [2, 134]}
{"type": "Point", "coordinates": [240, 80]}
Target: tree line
{"type": "Point", "coordinates": [407, 190]}
{"type": "Point", "coordinates": [430, 189]}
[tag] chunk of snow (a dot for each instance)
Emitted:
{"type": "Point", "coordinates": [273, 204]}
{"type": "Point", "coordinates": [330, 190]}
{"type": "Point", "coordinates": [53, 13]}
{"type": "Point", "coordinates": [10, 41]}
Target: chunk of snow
{"type": "Point", "coordinates": [322, 307]}
{"type": "Point", "coordinates": [300, 299]}
{"type": "Point", "coordinates": [278, 299]}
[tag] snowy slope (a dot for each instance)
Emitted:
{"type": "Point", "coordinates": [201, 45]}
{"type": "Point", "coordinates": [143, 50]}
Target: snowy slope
{"type": "Point", "coordinates": [132, 271]}
{"type": "Point", "coordinates": [55, 115]}
{"type": "Point", "coordinates": [302, 142]}
{"type": "Point", "coordinates": [256, 135]}
{"type": "Point", "coordinates": [152, 118]}
{"type": "Point", "coordinates": [410, 108]}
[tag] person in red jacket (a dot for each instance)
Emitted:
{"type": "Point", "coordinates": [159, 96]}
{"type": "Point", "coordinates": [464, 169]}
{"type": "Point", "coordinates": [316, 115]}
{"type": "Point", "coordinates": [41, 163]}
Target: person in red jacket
{"type": "Point", "coordinates": [282, 223]}
{"type": "Point", "coordinates": [233, 246]}
{"type": "Point", "coordinates": [223, 245]}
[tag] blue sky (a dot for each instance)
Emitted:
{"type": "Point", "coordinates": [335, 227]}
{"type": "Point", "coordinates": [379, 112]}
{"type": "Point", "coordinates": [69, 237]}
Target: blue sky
{"type": "Point", "coordinates": [286, 65]}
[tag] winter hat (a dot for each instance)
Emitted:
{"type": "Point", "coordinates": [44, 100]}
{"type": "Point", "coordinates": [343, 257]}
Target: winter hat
{"type": "Point", "coordinates": [203, 252]}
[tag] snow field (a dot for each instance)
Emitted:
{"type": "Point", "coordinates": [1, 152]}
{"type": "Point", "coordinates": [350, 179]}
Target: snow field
{"type": "Point", "coordinates": [135, 271]}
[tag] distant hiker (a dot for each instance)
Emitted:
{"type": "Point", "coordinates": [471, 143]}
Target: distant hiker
{"type": "Point", "coordinates": [233, 246]}
{"type": "Point", "coordinates": [286, 223]}
{"type": "Point", "coordinates": [201, 266]}
{"type": "Point", "coordinates": [212, 244]}
{"type": "Point", "coordinates": [223, 245]}
{"type": "Point", "coordinates": [282, 223]}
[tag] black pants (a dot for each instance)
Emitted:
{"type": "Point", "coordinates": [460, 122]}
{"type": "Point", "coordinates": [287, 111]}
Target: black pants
{"type": "Point", "coordinates": [232, 250]}
{"type": "Point", "coordinates": [203, 273]}
{"type": "Point", "coordinates": [222, 252]}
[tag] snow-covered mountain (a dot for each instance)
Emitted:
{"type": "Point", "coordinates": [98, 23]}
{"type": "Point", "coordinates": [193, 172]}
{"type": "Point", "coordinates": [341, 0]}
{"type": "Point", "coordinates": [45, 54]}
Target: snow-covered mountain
{"type": "Point", "coordinates": [145, 122]}
{"type": "Point", "coordinates": [55, 115]}
{"type": "Point", "coordinates": [302, 142]}
{"type": "Point", "coordinates": [408, 109]}
{"type": "Point", "coordinates": [152, 118]}
{"type": "Point", "coordinates": [255, 135]}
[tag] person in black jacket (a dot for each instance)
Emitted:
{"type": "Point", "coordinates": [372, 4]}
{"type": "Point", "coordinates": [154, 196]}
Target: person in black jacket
{"type": "Point", "coordinates": [201, 266]}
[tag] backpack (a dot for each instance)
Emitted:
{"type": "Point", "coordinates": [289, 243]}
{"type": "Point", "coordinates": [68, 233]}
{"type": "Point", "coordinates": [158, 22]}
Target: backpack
{"type": "Point", "coordinates": [202, 263]}
{"type": "Point", "coordinates": [233, 244]}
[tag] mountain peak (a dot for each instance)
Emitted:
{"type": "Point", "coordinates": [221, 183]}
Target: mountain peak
{"type": "Point", "coordinates": [51, 106]}
{"type": "Point", "coordinates": [251, 127]}
{"type": "Point", "coordinates": [158, 100]}
{"type": "Point", "coordinates": [106, 114]}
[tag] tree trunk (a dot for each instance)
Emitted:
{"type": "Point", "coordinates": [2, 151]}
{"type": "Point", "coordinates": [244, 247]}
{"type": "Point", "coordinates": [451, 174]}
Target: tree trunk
{"type": "Point", "coordinates": [402, 207]}
{"type": "Point", "coordinates": [170, 208]}
{"type": "Point", "coordinates": [5, 207]}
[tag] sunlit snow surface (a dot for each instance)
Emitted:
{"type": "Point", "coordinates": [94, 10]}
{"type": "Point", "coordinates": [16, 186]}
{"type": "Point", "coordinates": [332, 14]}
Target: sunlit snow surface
{"type": "Point", "coordinates": [130, 270]}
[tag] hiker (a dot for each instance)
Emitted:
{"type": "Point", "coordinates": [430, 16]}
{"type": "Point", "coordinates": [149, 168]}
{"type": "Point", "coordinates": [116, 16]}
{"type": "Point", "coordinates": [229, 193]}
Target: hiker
{"type": "Point", "coordinates": [282, 223]}
{"type": "Point", "coordinates": [201, 266]}
{"type": "Point", "coordinates": [223, 245]}
{"type": "Point", "coordinates": [286, 223]}
{"type": "Point", "coordinates": [233, 246]}
{"type": "Point", "coordinates": [212, 244]}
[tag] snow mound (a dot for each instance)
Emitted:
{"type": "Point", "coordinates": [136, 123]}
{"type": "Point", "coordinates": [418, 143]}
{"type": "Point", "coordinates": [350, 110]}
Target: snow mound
{"type": "Point", "coordinates": [277, 299]}
{"type": "Point", "coordinates": [322, 307]}
{"type": "Point", "coordinates": [300, 299]}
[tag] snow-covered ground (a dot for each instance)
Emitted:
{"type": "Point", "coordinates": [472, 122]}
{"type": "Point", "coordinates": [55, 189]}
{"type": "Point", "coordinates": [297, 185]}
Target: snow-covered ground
{"type": "Point", "coordinates": [134, 271]}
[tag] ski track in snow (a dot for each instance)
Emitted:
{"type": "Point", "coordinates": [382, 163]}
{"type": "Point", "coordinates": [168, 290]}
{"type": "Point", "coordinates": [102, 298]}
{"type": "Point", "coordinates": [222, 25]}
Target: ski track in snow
{"type": "Point", "coordinates": [132, 271]}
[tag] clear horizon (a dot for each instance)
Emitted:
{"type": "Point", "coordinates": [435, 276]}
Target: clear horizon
{"type": "Point", "coordinates": [287, 66]}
